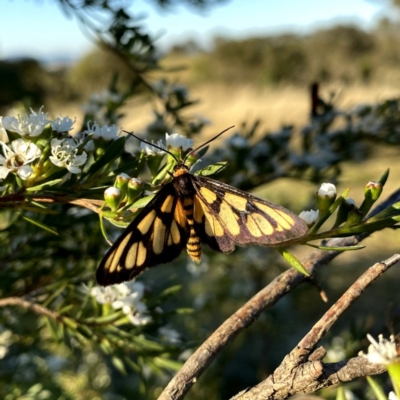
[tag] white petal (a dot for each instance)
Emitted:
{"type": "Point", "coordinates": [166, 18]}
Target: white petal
{"type": "Point", "coordinates": [4, 172]}
{"type": "Point", "coordinates": [177, 141]}
{"type": "Point", "coordinates": [9, 123]}
{"type": "Point", "coordinates": [57, 162]}
{"type": "Point", "coordinates": [19, 146]}
{"type": "Point", "coordinates": [73, 170]}
{"type": "Point", "coordinates": [328, 190]}
{"type": "Point", "coordinates": [25, 171]}
{"type": "Point", "coordinates": [80, 160]}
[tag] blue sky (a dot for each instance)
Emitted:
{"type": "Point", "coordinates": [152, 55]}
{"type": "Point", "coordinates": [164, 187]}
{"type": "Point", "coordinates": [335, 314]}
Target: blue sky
{"type": "Point", "coordinates": [39, 28]}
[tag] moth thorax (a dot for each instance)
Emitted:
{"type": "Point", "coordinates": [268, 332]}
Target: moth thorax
{"type": "Point", "coordinates": [183, 185]}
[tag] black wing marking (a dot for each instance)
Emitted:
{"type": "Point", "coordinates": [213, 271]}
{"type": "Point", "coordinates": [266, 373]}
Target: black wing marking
{"type": "Point", "coordinates": [154, 237]}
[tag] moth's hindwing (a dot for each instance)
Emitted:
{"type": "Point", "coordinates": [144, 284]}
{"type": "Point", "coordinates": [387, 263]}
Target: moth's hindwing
{"type": "Point", "coordinates": [156, 236]}
{"type": "Point", "coordinates": [225, 216]}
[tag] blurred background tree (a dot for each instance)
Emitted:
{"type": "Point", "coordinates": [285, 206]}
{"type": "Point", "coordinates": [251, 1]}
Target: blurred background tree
{"type": "Point", "coordinates": [128, 81]}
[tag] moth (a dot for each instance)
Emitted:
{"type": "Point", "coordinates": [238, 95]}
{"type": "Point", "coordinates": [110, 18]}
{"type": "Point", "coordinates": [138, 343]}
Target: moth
{"type": "Point", "coordinates": [192, 210]}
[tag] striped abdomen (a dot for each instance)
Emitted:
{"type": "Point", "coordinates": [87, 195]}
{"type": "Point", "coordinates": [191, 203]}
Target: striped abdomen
{"type": "Point", "coordinates": [193, 245]}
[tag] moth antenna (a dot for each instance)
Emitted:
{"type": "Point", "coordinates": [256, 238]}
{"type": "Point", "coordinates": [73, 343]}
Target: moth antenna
{"type": "Point", "coordinates": [152, 144]}
{"type": "Point", "coordinates": [206, 143]}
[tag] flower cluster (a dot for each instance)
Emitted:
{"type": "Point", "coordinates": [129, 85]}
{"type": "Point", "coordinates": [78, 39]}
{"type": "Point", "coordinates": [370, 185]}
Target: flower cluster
{"type": "Point", "coordinates": [126, 297]}
{"type": "Point", "coordinates": [382, 352]}
{"type": "Point", "coordinates": [36, 147]}
{"type": "Point", "coordinates": [173, 142]}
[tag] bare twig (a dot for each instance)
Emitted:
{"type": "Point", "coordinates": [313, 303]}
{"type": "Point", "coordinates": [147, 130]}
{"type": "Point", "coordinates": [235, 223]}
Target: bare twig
{"type": "Point", "coordinates": [297, 374]}
{"type": "Point", "coordinates": [246, 315]}
{"type": "Point", "coordinates": [36, 308]}
{"type": "Point", "coordinates": [18, 200]}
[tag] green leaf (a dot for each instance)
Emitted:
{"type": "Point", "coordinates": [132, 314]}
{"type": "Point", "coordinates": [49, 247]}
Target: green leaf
{"type": "Point", "coordinates": [340, 394]}
{"type": "Point", "coordinates": [65, 309]}
{"type": "Point", "coordinates": [119, 224]}
{"type": "Point", "coordinates": [7, 218]}
{"type": "Point", "coordinates": [348, 248]}
{"type": "Point", "coordinates": [212, 169]}
{"type": "Point", "coordinates": [142, 202]}
{"type": "Point", "coordinates": [394, 373]}
{"type": "Point", "coordinates": [55, 294]}
{"type": "Point", "coordinates": [392, 210]}
{"type": "Point", "coordinates": [130, 363]}
{"type": "Point", "coordinates": [147, 344]}
{"type": "Point", "coordinates": [119, 365]}
{"type": "Point", "coordinates": [44, 185]}
{"type": "Point", "coordinates": [376, 388]}
{"type": "Point", "coordinates": [183, 311]}
{"type": "Point", "coordinates": [167, 363]}
{"type": "Point", "coordinates": [109, 214]}
{"type": "Point", "coordinates": [103, 320]}
{"type": "Point", "coordinates": [171, 291]}
{"type": "Point", "coordinates": [39, 224]}
{"type": "Point", "coordinates": [293, 261]}
{"type": "Point", "coordinates": [163, 173]}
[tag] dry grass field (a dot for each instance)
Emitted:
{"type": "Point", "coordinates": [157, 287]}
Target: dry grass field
{"type": "Point", "coordinates": [275, 106]}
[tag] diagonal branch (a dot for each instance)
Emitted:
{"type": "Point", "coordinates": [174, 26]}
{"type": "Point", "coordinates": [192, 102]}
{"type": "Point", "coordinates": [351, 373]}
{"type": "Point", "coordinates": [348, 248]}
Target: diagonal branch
{"type": "Point", "coordinates": [36, 308]}
{"type": "Point", "coordinates": [248, 313]}
{"type": "Point", "coordinates": [300, 373]}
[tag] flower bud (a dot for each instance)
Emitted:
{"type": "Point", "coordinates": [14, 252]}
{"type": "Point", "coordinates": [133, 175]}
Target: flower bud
{"type": "Point", "coordinates": [121, 182]}
{"type": "Point", "coordinates": [135, 186]}
{"type": "Point", "coordinates": [113, 197]}
{"type": "Point", "coordinates": [326, 196]}
{"type": "Point", "coordinates": [372, 191]}
{"type": "Point", "coordinates": [309, 217]}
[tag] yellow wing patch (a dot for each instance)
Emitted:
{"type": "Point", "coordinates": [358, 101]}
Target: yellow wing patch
{"type": "Point", "coordinates": [233, 216]}
{"type": "Point", "coordinates": [145, 224]}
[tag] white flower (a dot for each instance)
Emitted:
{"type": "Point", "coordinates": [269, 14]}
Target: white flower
{"type": "Point", "coordinates": [63, 124]}
{"type": "Point", "coordinates": [177, 141]}
{"type": "Point", "coordinates": [382, 352]}
{"type": "Point", "coordinates": [309, 217]}
{"type": "Point", "coordinates": [31, 125]}
{"type": "Point", "coordinates": [17, 158]}
{"type": "Point", "coordinates": [392, 396]}
{"type": "Point", "coordinates": [327, 190]}
{"type": "Point", "coordinates": [105, 132]}
{"type": "Point", "coordinates": [150, 150]}
{"type": "Point", "coordinates": [65, 155]}
{"type": "Point", "coordinates": [126, 297]}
